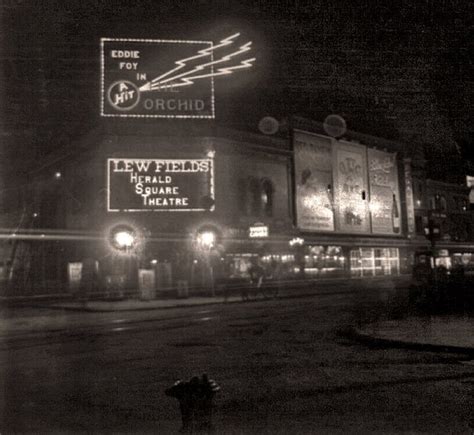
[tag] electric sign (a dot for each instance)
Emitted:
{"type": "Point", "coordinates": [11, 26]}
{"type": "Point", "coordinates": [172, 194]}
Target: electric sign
{"type": "Point", "coordinates": [258, 231]}
{"type": "Point", "coordinates": [157, 78]}
{"type": "Point", "coordinates": [136, 185]}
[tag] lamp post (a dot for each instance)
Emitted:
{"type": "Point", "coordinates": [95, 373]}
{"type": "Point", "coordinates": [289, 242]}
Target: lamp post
{"type": "Point", "coordinates": [433, 234]}
{"type": "Point", "coordinates": [206, 240]}
{"type": "Point", "coordinates": [125, 241]}
{"type": "Point", "coordinates": [297, 244]}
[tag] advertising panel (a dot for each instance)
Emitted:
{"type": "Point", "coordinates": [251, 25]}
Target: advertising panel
{"type": "Point", "coordinates": [384, 192]}
{"type": "Point", "coordinates": [159, 78]}
{"type": "Point", "coordinates": [409, 197]}
{"type": "Point", "coordinates": [313, 174]}
{"type": "Point", "coordinates": [470, 183]}
{"type": "Point", "coordinates": [74, 274]}
{"type": "Point", "coordinates": [134, 69]}
{"type": "Point", "coordinates": [258, 230]}
{"type": "Point", "coordinates": [146, 284]}
{"type": "Point", "coordinates": [160, 184]}
{"type": "Point", "coordinates": [351, 190]}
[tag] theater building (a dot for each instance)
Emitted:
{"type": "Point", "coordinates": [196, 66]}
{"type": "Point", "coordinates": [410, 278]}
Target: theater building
{"type": "Point", "coordinates": [139, 207]}
{"type": "Point", "coordinates": [167, 185]}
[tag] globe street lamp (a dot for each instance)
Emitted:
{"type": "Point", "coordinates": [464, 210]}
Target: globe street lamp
{"type": "Point", "coordinates": [206, 241]}
{"type": "Point", "coordinates": [124, 239]}
{"type": "Point", "coordinates": [297, 243]}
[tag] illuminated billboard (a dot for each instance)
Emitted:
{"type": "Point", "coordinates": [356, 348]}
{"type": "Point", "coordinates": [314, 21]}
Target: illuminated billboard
{"type": "Point", "coordinates": [314, 185]}
{"type": "Point", "coordinates": [345, 187]}
{"type": "Point", "coordinates": [470, 183]}
{"type": "Point", "coordinates": [351, 190]}
{"type": "Point", "coordinates": [409, 197]}
{"type": "Point", "coordinates": [157, 78]}
{"type": "Point", "coordinates": [161, 185]}
{"type": "Point", "coordinates": [384, 205]}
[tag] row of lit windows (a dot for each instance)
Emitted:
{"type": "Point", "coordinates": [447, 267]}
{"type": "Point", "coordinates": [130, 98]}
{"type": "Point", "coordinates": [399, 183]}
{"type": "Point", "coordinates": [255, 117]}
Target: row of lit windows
{"type": "Point", "coordinates": [375, 262]}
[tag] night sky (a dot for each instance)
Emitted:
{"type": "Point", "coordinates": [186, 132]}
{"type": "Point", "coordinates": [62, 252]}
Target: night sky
{"type": "Point", "coordinates": [401, 71]}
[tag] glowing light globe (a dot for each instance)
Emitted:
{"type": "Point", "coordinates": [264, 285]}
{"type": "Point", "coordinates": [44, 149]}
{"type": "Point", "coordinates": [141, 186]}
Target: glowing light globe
{"type": "Point", "coordinates": [207, 239]}
{"type": "Point", "coordinates": [124, 239]}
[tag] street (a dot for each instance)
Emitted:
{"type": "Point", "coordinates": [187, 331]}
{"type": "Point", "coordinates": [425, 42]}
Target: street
{"type": "Point", "coordinates": [282, 365]}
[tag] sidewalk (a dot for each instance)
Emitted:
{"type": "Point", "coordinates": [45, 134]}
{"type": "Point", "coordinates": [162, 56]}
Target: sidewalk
{"type": "Point", "coordinates": [440, 333]}
{"type": "Point", "coordinates": [64, 313]}
{"type": "Point", "coordinates": [134, 304]}
{"type": "Point", "coordinates": [380, 285]}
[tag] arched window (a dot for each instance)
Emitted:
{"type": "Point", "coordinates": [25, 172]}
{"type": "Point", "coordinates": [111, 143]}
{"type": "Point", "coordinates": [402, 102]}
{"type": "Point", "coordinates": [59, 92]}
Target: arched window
{"type": "Point", "coordinates": [267, 197]}
{"type": "Point", "coordinates": [255, 197]}
{"type": "Point", "coordinates": [242, 197]}
{"type": "Point", "coordinates": [442, 203]}
{"type": "Point", "coordinates": [432, 203]}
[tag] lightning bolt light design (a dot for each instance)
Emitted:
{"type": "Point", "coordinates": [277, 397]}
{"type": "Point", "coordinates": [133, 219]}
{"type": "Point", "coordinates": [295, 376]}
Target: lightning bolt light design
{"type": "Point", "coordinates": [174, 78]}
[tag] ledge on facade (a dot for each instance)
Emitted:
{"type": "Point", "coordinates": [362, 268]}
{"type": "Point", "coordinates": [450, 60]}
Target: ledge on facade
{"type": "Point", "coordinates": [365, 139]}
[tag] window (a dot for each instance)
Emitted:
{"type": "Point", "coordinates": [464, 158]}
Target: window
{"type": "Point", "coordinates": [375, 262]}
{"type": "Point", "coordinates": [432, 202]}
{"type": "Point", "coordinates": [419, 190]}
{"type": "Point", "coordinates": [267, 197]}
{"type": "Point", "coordinates": [442, 203]}
{"type": "Point", "coordinates": [255, 197]}
{"type": "Point", "coordinates": [460, 203]}
{"type": "Point", "coordinates": [242, 201]}
{"type": "Point", "coordinates": [419, 225]}
{"type": "Point", "coordinates": [324, 261]}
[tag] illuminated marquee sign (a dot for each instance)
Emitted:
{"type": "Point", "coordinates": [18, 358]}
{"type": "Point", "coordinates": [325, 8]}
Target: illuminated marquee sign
{"type": "Point", "coordinates": [410, 202]}
{"type": "Point", "coordinates": [258, 231]}
{"type": "Point", "coordinates": [156, 78]}
{"type": "Point", "coordinates": [160, 184]}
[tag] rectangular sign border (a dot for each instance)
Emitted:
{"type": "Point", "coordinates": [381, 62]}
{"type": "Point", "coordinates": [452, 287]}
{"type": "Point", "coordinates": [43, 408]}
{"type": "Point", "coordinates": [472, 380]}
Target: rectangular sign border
{"type": "Point", "coordinates": [134, 210]}
{"type": "Point", "coordinates": [123, 115]}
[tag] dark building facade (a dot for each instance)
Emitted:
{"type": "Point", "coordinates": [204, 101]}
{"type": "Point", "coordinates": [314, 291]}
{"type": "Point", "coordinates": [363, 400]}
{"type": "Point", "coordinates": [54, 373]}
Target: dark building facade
{"type": "Point", "coordinates": [141, 208]}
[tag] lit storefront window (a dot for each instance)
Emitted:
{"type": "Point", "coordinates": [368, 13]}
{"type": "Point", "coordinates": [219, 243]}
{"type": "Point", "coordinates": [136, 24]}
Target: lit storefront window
{"type": "Point", "coordinates": [465, 261]}
{"type": "Point", "coordinates": [239, 264]}
{"type": "Point", "coordinates": [324, 261]}
{"type": "Point", "coordinates": [375, 262]}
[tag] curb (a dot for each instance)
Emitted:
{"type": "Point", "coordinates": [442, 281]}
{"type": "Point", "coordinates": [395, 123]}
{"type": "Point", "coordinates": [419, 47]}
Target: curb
{"type": "Point", "coordinates": [374, 341]}
{"type": "Point", "coordinates": [115, 310]}
{"type": "Point", "coordinates": [89, 309]}
{"type": "Point", "coordinates": [398, 281]}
